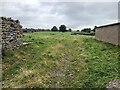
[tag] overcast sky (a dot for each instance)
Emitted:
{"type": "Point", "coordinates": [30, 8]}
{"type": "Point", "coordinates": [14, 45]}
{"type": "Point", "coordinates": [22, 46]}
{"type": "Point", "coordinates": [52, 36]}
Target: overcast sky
{"type": "Point", "coordinates": [75, 15]}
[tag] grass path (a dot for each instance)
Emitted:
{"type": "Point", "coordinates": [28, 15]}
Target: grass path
{"type": "Point", "coordinates": [60, 60]}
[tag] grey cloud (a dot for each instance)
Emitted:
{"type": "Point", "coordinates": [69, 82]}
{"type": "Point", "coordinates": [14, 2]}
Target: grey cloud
{"type": "Point", "coordinates": [72, 14]}
{"type": "Point", "coordinates": [88, 13]}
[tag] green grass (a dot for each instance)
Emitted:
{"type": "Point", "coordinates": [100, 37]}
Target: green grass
{"type": "Point", "coordinates": [60, 60]}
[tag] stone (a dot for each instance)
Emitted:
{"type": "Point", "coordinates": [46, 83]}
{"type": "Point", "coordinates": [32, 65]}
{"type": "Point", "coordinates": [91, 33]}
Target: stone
{"type": "Point", "coordinates": [113, 85]}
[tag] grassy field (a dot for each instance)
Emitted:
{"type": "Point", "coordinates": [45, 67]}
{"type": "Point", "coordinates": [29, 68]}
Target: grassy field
{"type": "Point", "coordinates": [60, 60]}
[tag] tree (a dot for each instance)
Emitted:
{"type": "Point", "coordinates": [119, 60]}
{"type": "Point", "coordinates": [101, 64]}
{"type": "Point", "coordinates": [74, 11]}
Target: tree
{"type": "Point", "coordinates": [69, 29]}
{"type": "Point", "coordinates": [54, 28]}
{"type": "Point", "coordinates": [62, 28]}
{"type": "Point", "coordinates": [86, 30]}
{"type": "Point", "coordinates": [94, 28]}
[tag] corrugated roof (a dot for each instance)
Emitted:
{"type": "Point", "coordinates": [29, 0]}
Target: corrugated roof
{"type": "Point", "coordinates": [109, 25]}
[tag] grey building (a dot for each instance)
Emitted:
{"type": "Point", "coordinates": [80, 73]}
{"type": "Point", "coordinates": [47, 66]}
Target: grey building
{"type": "Point", "coordinates": [108, 33]}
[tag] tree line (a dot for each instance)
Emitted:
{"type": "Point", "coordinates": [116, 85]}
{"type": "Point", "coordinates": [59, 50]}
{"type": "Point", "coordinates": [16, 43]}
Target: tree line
{"type": "Point", "coordinates": [62, 28]}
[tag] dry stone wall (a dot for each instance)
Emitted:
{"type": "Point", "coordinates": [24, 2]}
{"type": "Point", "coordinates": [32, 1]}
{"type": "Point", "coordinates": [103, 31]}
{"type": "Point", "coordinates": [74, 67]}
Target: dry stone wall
{"type": "Point", "coordinates": [0, 53]}
{"type": "Point", "coordinates": [0, 35]}
{"type": "Point", "coordinates": [11, 33]}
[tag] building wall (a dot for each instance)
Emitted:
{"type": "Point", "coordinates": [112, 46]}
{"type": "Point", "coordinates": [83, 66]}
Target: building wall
{"type": "Point", "coordinates": [110, 34]}
{"type": "Point", "coordinates": [11, 33]}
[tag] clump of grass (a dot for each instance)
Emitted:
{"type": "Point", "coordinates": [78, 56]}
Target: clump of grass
{"type": "Point", "coordinates": [30, 36]}
{"type": "Point", "coordinates": [52, 34]}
